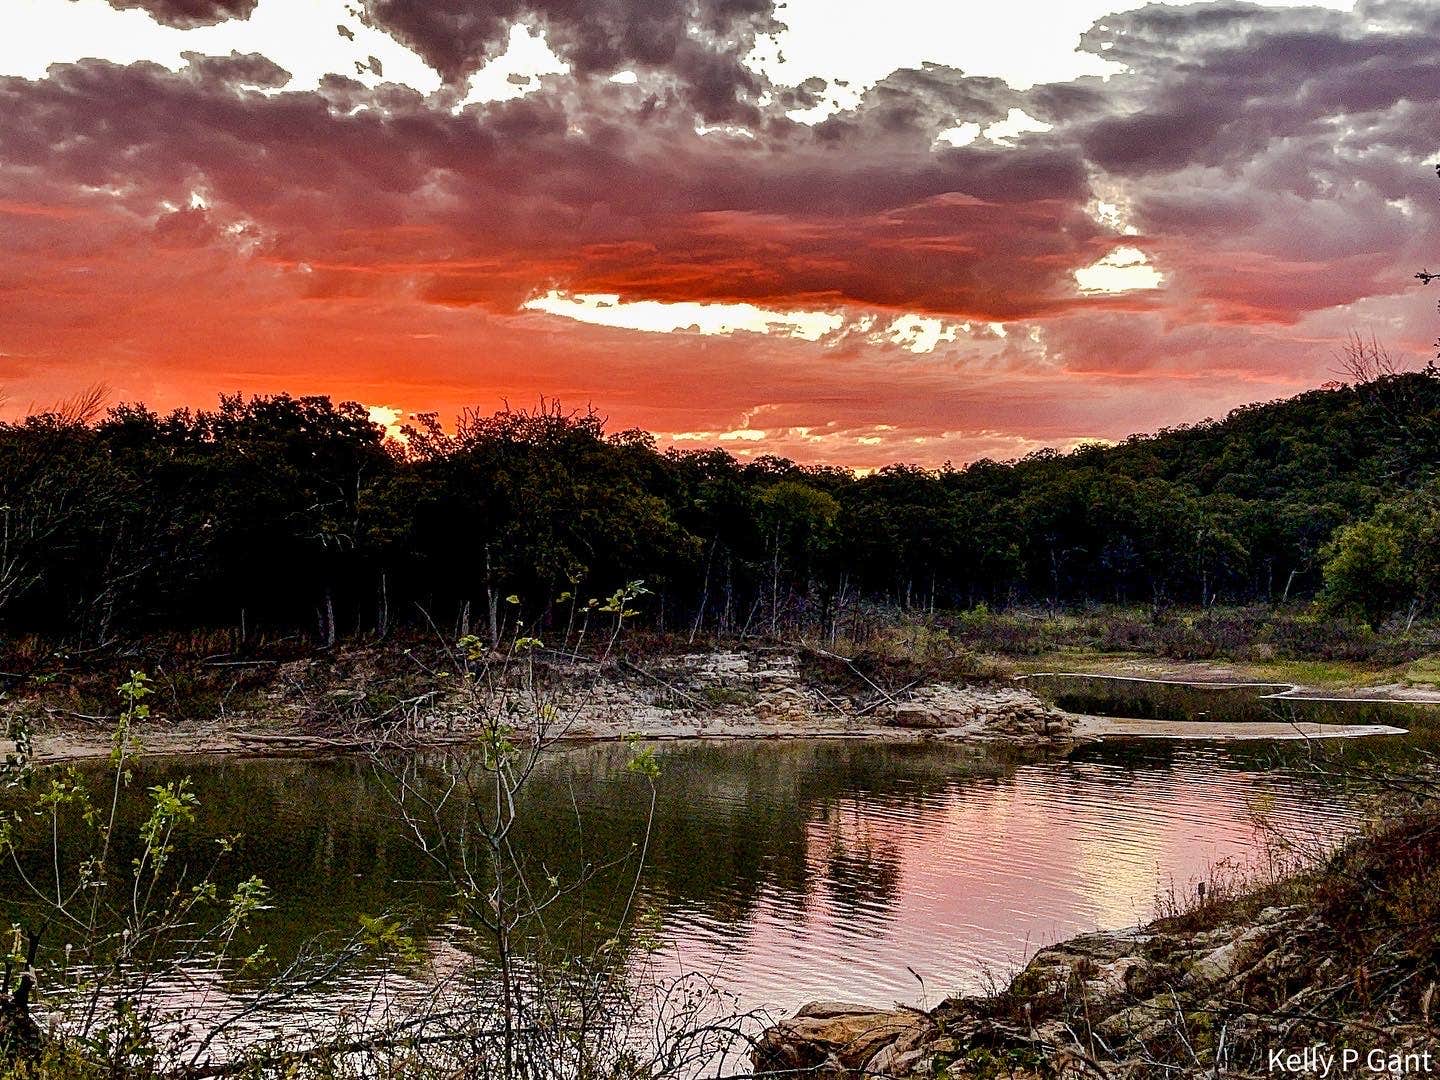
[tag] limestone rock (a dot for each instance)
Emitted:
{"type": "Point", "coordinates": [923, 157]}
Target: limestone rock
{"type": "Point", "coordinates": [1229, 959]}
{"type": "Point", "coordinates": [831, 1037]}
{"type": "Point", "coordinates": [909, 714]}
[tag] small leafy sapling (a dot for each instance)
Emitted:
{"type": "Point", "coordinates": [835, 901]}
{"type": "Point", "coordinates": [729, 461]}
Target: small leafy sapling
{"type": "Point", "coordinates": [122, 924]}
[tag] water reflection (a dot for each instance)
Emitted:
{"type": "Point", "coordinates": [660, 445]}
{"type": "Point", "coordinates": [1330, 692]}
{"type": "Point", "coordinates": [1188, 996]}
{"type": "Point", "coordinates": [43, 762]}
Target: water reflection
{"type": "Point", "coordinates": [962, 880]}
{"type": "Point", "coordinates": [1161, 699]}
{"type": "Point", "coordinates": [794, 870]}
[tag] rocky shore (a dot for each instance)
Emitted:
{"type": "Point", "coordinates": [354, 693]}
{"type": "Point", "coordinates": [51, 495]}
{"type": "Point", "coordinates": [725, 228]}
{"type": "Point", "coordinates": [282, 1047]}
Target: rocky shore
{"type": "Point", "coordinates": [1129, 1004]}
{"type": "Point", "coordinates": [1348, 963]}
{"type": "Point", "coordinates": [354, 698]}
{"type": "Point", "coordinates": [770, 693]}
{"type": "Point", "coordinates": [759, 693]}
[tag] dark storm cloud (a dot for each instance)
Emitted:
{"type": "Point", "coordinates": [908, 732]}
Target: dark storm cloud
{"type": "Point", "coordinates": [188, 14]}
{"type": "Point", "coordinates": [492, 203]}
{"type": "Point", "coordinates": [918, 103]}
{"type": "Point", "coordinates": [597, 36]}
{"type": "Point", "coordinates": [699, 43]}
{"type": "Point", "coordinates": [806, 95]}
{"type": "Point", "coordinates": [1226, 82]}
{"type": "Point", "coordinates": [1256, 148]}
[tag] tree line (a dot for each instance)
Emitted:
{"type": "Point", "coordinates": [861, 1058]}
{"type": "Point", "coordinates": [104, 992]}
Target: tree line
{"type": "Point", "coordinates": [297, 515]}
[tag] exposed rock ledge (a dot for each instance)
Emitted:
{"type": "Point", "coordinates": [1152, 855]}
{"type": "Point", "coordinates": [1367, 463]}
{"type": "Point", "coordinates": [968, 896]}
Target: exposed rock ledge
{"type": "Point", "coordinates": [1126, 1005]}
{"type": "Point", "coordinates": [318, 704]}
{"type": "Point", "coordinates": [766, 693]}
{"type": "Point", "coordinates": [755, 693]}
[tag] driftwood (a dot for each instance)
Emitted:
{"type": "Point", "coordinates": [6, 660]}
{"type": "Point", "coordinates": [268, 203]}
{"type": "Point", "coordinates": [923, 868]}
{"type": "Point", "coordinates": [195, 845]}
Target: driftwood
{"type": "Point", "coordinates": [297, 740]}
{"type": "Point", "coordinates": [830, 701]}
{"type": "Point", "coordinates": [887, 698]}
{"type": "Point", "coordinates": [673, 689]}
{"type": "Point", "coordinates": [90, 718]}
{"type": "Point", "coordinates": [828, 655]}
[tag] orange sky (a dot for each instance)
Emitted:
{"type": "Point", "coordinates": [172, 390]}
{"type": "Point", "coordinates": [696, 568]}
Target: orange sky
{"type": "Point", "coordinates": [927, 266]}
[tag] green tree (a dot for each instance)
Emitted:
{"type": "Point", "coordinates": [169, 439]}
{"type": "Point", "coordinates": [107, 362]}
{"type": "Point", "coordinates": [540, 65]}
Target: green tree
{"type": "Point", "coordinates": [799, 522]}
{"type": "Point", "coordinates": [1388, 562]}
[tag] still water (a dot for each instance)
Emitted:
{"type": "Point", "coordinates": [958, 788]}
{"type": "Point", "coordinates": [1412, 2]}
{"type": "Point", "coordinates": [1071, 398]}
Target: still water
{"type": "Point", "coordinates": [1241, 702]}
{"type": "Point", "coordinates": [872, 872]}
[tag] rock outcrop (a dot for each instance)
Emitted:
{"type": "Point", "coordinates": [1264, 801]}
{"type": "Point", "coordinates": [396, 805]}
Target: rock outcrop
{"type": "Point", "coordinates": [841, 1039]}
{"type": "Point", "coordinates": [1126, 1005]}
{"type": "Point", "coordinates": [767, 692]}
{"type": "Point", "coordinates": [1003, 713]}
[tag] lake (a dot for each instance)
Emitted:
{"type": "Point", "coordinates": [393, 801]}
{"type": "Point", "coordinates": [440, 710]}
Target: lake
{"type": "Point", "coordinates": [789, 870]}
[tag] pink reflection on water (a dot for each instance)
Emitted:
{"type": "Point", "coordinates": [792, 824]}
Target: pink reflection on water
{"type": "Point", "coordinates": [959, 886]}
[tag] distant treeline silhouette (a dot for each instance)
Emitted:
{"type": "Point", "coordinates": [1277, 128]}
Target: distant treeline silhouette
{"type": "Point", "coordinates": [296, 515]}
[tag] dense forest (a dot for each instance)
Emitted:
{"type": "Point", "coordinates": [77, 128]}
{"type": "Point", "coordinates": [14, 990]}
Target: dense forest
{"type": "Point", "coordinates": [297, 515]}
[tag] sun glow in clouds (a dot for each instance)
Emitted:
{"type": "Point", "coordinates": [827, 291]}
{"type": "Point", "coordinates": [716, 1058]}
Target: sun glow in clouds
{"type": "Point", "coordinates": [919, 333]}
{"type": "Point", "coordinates": [914, 333]}
{"type": "Point", "coordinates": [1126, 269]}
{"type": "Point", "coordinates": [657, 317]}
{"type": "Point", "coordinates": [391, 419]}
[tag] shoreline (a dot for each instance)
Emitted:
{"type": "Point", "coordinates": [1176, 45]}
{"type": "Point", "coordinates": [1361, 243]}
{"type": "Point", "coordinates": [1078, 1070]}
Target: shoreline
{"type": "Point", "coordinates": [1119, 729]}
{"type": "Point", "coordinates": [1233, 675]}
{"type": "Point", "coordinates": [58, 748]}
{"type": "Point", "coordinates": [759, 693]}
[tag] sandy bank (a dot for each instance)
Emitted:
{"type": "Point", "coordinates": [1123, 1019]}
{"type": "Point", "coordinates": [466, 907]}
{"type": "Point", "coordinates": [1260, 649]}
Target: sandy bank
{"type": "Point", "coordinates": [1117, 728]}
{"type": "Point", "coordinates": [754, 694]}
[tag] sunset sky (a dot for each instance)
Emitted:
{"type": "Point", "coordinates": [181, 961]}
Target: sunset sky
{"type": "Point", "coordinates": [848, 232]}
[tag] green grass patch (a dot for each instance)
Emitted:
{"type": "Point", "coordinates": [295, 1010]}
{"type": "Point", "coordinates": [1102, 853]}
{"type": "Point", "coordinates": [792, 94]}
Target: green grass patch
{"type": "Point", "coordinates": [1424, 672]}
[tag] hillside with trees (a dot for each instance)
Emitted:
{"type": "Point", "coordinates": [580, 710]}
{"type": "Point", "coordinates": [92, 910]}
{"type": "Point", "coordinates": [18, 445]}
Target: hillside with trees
{"type": "Point", "coordinates": [280, 515]}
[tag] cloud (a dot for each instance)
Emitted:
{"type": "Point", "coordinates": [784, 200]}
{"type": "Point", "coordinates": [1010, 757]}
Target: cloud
{"type": "Point", "coordinates": [700, 45]}
{"type": "Point", "coordinates": [237, 69]}
{"type": "Point", "coordinates": [187, 14]}
{"type": "Point", "coordinates": [1219, 83]}
{"type": "Point", "coordinates": [495, 203]}
{"type": "Point", "coordinates": [1270, 166]}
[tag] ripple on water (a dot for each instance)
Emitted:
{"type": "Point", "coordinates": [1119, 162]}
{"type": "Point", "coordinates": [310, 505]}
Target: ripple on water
{"type": "Point", "coordinates": [961, 883]}
{"type": "Point", "coordinates": [796, 871]}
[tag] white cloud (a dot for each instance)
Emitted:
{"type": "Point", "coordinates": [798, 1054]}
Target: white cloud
{"type": "Point", "coordinates": [658, 317]}
{"type": "Point", "coordinates": [1017, 123]}
{"type": "Point", "coordinates": [516, 71]}
{"type": "Point", "coordinates": [1126, 269]}
{"type": "Point", "coordinates": [959, 135]}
